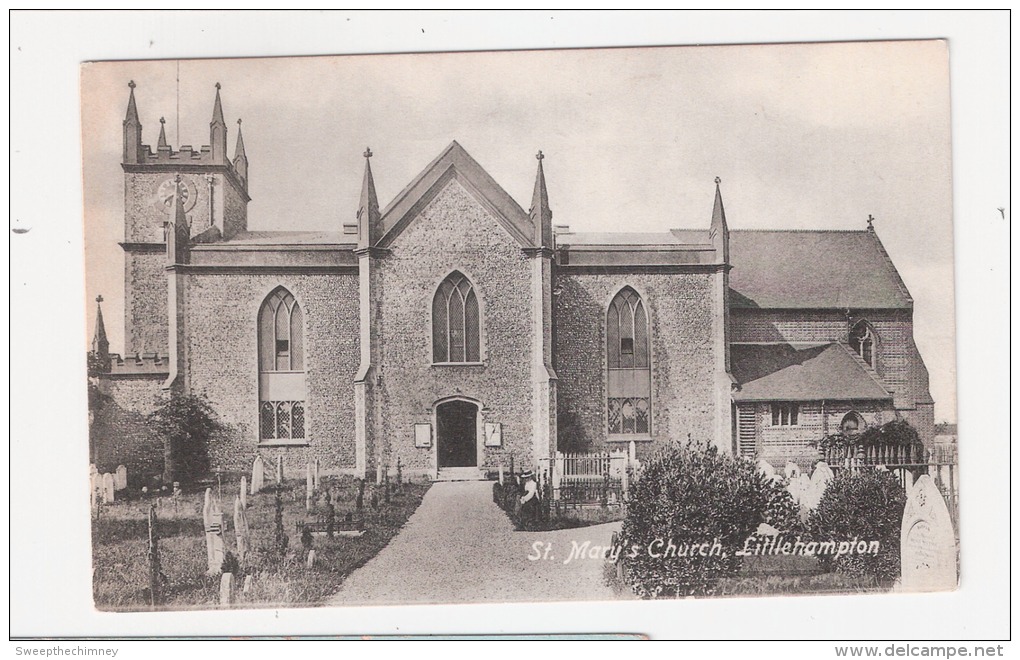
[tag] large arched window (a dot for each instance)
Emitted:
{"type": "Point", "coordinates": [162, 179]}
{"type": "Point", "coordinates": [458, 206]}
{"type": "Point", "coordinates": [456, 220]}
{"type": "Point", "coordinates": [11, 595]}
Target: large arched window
{"type": "Point", "coordinates": [281, 368]}
{"type": "Point", "coordinates": [455, 321]}
{"type": "Point", "coordinates": [629, 378]}
{"type": "Point", "coordinates": [864, 342]}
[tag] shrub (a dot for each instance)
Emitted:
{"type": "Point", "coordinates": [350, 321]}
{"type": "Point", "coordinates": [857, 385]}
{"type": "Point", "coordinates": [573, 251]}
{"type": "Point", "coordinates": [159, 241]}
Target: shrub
{"type": "Point", "coordinates": [692, 495]}
{"type": "Point", "coordinates": [867, 506]}
{"type": "Point", "coordinates": [186, 422]}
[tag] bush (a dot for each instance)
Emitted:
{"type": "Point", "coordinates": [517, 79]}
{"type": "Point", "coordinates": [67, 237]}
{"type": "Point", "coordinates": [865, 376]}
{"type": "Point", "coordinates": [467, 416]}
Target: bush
{"type": "Point", "coordinates": [186, 422]}
{"type": "Point", "coordinates": [867, 506]}
{"type": "Point", "coordinates": [692, 495]}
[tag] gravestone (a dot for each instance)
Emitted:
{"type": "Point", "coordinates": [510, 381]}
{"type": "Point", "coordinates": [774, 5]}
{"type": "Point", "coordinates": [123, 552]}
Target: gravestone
{"type": "Point", "coordinates": [792, 471]}
{"type": "Point", "coordinates": [797, 486]}
{"type": "Point", "coordinates": [120, 478]}
{"type": "Point", "coordinates": [247, 585]}
{"type": "Point", "coordinates": [279, 469]}
{"type": "Point", "coordinates": [243, 493]}
{"type": "Point", "coordinates": [108, 488]}
{"type": "Point", "coordinates": [501, 473]}
{"type": "Point", "coordinates": [212, 519]}
{"type": "Point", "coordinates": [820, 478]}
{"type": "Point", "coordinates": [315, 475]}
{"type": "Point", "coordinates": [226, 588]}
{"type": "Point", "coordinates": [240, 528]}
{"type": "Point", "coordinates": [927, 541]}
{"type": "Point", "coordinates": [258, 476]}
{"type": "Point", "coordinates": [766, 468]}
{"type": "Point", "coordinates": [311, 559]}
{"type": "Point", "coordinates": [309, 486]}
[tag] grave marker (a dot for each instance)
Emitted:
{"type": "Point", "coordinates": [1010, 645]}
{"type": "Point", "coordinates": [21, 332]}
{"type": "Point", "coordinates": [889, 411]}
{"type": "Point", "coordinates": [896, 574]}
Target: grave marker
{"type": "Point", "coordinates": [316, 482]}
{"type": "Point", "coordinates": [792, 470]}
{"type": "Point", "coordinates": [311, 559]}
{"type": "Point", "coordinates": [927, 541]}
{"type": "Point", "coordinates": [247, 585]}
{"type": "Point", "coordinates": [108, 488]}
{"type": "Point", "coordinates": [120, 478]}
{"type": "Point", "coordinates": [258, 476]}
{"type": "Point", "coordinates": [226, 588]}
{"type": "Point", "coordinates": [766, 468]}
{"type": "Point", "coordinates": [243, 493]}
{"type": "Point", "coordinates": [212, 519]}
{"type": "Point", "coordinates": [240, 528]}
{"type": "Point", "coordinates": [309, 486]}
{"type": "Point", "coordinates": [279, 469]}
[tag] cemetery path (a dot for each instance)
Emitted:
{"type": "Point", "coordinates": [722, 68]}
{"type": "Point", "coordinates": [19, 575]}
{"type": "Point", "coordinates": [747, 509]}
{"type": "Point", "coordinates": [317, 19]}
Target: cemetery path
{"type": "Point", "coordinates": [460, 547]}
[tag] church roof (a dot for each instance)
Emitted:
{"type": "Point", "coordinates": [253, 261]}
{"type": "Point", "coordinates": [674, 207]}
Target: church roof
{"type": "Point", "coordinates": [813, 270]}
{"type": "Point", "coordinates": [290, 238]}
{"type": "Point", "coordinates": [802, 372]}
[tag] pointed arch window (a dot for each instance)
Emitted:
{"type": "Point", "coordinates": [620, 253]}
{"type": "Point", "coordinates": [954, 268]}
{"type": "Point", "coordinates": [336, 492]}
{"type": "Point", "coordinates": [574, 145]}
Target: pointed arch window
{"type": "Point", "coordinates": [455, 321]}
{"type": "Point", "coordinates": [629, 408]}
{"type": "Point", "coordinates": [281, 355]}
{"type": "Point", "coordinates": [863, 342]}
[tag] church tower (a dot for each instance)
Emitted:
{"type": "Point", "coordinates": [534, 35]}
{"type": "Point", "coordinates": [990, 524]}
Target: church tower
{"type": "Point", "coordinates": [203, 186]}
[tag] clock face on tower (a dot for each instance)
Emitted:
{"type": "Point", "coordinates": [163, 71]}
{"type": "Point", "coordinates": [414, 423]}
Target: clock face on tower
{"type": "Point", "coordinates": [165, 194]}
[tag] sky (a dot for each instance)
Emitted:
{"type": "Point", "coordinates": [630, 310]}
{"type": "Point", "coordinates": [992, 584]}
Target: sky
{"type": "Point", "coordinates": [808, 136]}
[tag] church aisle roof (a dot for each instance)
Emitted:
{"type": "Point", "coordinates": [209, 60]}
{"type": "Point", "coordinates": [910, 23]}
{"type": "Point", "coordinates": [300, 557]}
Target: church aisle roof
{"type": "Point", "coordinates": [801, 372]}
{"type": "Point", "coordinates": [813, 270]}
{"type": "Point", "coordinates": [245, 238]}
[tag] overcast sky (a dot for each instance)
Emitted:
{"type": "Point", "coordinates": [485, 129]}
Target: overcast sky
{"type": "Point", "coordinates": [803, 136]}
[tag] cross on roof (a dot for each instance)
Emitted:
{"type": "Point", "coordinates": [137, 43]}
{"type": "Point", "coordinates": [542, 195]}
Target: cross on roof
{"type": "Point", "coordinates": [99, 298]}
{"type": "Point", "coordinates": [870, 220]}
{"type": "Point", "coordinates": [368, 153]}
{"type": "Point", "coordinates": [718, 181]}
{"type": "Point", "coordinates": [217, 85]}
{"type": "Point", "coordinates": [131, 84]}
{"type": "Point", "coordinates": [540, 155]}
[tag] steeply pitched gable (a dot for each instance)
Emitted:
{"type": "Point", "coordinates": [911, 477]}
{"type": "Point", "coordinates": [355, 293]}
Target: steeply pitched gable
{"type": "Point", "coordinates": [455, 162]}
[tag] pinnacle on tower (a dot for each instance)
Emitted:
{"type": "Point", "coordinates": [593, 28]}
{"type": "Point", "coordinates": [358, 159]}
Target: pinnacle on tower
{"type": "Point", "coordinates": [369, 218]}
{"type": "Point", "coordinates": [178, 233]}
{"type": "Point", "coordinates": [132, 130]}
{"type": "Point", "coordinates": [162, 144]}
{"type": "Point", "coordinates": [218, 131]}
{"type": "Point", "coordinates": [100, 344]}
{"type": "Point", "coordinates": [719, 232]}
{"type": "Point", "coordinates": [540, 213]}
{"type": "Point", "coordinates": [240, 159]}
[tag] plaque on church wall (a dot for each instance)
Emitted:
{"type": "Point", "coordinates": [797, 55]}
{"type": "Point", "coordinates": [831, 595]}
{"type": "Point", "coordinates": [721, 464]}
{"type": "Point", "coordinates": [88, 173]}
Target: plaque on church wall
{"type": "Point", "coordinates": [442, 301]}
{"type": "Point", "coordinates": [422, 435]}
{"type": "Point", "coordinates": [493, 434]}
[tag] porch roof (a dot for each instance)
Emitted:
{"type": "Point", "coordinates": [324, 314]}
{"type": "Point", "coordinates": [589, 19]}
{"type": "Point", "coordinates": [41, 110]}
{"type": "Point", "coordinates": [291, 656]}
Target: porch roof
{"type": "Point", "coordinates": [802, 372]}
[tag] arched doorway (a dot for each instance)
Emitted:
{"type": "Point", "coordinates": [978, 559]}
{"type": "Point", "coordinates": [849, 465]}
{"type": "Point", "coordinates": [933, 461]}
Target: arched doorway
{"type": "Point", "coordinates": [457, 434]}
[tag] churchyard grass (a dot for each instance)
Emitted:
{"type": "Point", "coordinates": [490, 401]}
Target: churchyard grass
{"type": "Point", "coordinates": [120, 542]}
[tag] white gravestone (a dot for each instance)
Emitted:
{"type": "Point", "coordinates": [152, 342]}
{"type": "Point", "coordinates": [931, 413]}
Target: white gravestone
{"type": "Point", "coordinates": [108, 488]}
{"type": "Point", "coordinates": [792, 471]}
{"type": "Point", "coordinates": [311, 559]}
{"type": "Point", "coordinates": [820, 478]}
{"type": "Point", "coordinates": [243, 492]}
{"type": "Point", "coordinates": [927, 541]}
{"type": "Point", "coordinates": [315, 476]}
{"type": "Point", "coordinates": [120, 478]}
{"type": "Point", "coordinates": [95, 489]}
{"type": "Point", "coordinates": [212, 518]}
{"type": "Point", "coordinates": [226, 588]}
{"type": "Point", "coordinates": [240, 528]}
{"type": "Point", "coordinates": [766, 468]}
{"type": "Point", "coordinates": [798, 486]}
{"type": "Point", "coordinates": [258, 475]}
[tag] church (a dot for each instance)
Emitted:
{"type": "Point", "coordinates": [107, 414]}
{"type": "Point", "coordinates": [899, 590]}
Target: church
{"type": "Point", "coordinates": [452, 329]}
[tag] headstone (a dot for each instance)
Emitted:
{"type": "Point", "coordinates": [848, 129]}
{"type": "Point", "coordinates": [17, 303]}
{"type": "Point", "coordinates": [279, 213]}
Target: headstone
{"type": "Point", "coordinates": [279, 469]}
{"type": "Point", "coordinates": [792, 471]}
{"type": "Point", "coordinates": [812, 494]}
{"type": "Point", "coordinates": [240, 528]}
{"type": "Point", "coordinates": [212, 519]}
{"type": "Point", "coordinates": [258, 476]}
{"type": "Point", "coordinates": [120, 478]}
{"type": "Point", "coordinates": [247, 585]}
{"type": "Point", "coordinates": [798, 486]}
{"type": "Point", "coordinates": [315, 483]}
{"type": "Point", "coordinates": [95, 489]}
{"type": "Point", "coordinates": [309, 486]}
{"type": "Point", "coordinates": [766, 468]}
{"type": "Point", "coordinates": [311, 559]}
{"type": "Point", "coordinates": [927, 541]}
{"type": "Point", "coordinates": [108, 488]}
{"type": "Point", "coordinates": [226, 588]}
{"type": "Point", "coordinates": [243, 493]}
{"type": "Point", "coordinates": [501, 473]}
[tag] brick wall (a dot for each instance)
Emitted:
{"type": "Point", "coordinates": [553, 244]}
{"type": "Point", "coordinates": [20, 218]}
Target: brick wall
{"type": "Point", "coordinates": [222, 353]}
{"type": "Point", "coordinates": [454, 232]}
{"type": "Point", "coordinates": [682, 313]}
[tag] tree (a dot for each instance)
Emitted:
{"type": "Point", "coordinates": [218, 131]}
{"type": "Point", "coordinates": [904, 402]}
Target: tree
{"type": "Point", "coordinates": [186, 422]}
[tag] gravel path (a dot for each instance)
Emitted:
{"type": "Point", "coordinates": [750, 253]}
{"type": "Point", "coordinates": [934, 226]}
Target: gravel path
{"type": "Point", "coordinates": [460, 547]}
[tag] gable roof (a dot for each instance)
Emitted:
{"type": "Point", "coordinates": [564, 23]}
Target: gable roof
{"type": "Point", "coordinates": [455, 162]}
{"type": "Point", "coordinates": [813, 270]}
{"type": "Point", "coordinates": [801, 372]}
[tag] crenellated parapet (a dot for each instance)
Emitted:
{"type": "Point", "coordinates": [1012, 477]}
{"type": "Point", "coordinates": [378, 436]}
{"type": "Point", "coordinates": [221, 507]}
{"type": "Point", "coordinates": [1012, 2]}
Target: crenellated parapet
{"type": "Point", "coordinates": [139, 364]}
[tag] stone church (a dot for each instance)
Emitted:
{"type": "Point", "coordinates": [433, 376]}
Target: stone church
{"type": "Point", "coordinates": [453, 329]}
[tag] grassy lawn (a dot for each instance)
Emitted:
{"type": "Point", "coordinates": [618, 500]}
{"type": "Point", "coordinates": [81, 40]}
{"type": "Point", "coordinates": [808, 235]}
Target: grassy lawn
{"type": "Point", "coordinates": [120, 544]}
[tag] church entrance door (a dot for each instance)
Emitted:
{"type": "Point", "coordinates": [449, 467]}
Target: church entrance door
{"type": "Point", "coordinates": [457, 434]}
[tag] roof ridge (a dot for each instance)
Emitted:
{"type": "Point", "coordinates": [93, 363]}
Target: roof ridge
{"type": "Point", "coordinates": [803, 231]}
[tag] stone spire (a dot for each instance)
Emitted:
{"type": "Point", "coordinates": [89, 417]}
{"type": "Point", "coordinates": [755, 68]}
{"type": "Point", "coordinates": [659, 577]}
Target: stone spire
{"type": "Point", "coordinates": [369, 218]}
{"type": "Point", "coordinates": [132, 130]}
{"type": "Point", "coordinates": [162, 144]}
{"type": "Point", "coordinates": [540, 213]}
{"type": "Point", "coordinates": [100, 344]}
{"type": "Point", "coordinates": [218, 131]}
{"type": "Point", "coordinates": [240, 159]}
{"type": "Point", "coordinates": [719, 232]}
